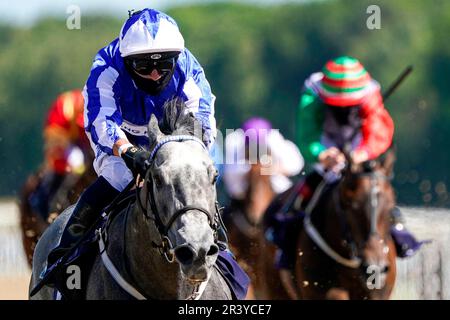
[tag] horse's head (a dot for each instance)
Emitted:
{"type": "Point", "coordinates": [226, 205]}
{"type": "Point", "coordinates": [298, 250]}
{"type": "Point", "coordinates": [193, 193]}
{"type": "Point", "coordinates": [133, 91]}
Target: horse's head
{"type": "Point", "coordinates": [366, 199]}
{"type": "Point", "coordinates": [181, 193]}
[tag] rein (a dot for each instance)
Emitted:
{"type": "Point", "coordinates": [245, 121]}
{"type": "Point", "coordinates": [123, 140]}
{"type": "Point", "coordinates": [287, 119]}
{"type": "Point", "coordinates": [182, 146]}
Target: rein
{"type": "Point", "coordinates": [318, 239]}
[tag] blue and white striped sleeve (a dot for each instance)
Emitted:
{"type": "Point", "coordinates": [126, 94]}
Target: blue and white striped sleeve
{"type": "Point", "coordinates": [101, 113]}
{"type": "Point", "coordinates": [199, 98]}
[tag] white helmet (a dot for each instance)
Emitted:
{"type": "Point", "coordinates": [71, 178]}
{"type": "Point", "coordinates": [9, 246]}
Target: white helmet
{"type": "Point", "coordinates": [150, 31]}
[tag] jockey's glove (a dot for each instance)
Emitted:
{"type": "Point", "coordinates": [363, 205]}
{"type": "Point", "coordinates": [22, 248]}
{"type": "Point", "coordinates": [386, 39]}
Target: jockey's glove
{"type": "Point", "coordinates": [136, 160]}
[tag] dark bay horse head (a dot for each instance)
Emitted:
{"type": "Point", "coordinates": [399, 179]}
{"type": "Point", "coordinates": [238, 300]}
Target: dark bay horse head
{"type": "Point", "coordinates": [179, 192]}
{"type": "Point", "coordinates": [365, 201]}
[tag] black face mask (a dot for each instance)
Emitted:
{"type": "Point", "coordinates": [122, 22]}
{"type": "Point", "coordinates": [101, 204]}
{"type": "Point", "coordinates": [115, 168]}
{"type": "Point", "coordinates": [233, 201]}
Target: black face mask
{"type": "Point", "coordinates": [144, 64]}
{"type": "Point", "coordinates": [342, 125]}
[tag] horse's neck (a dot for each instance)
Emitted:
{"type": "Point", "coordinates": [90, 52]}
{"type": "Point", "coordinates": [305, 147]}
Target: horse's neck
{"type": "Point", "coordinates": [333, 223]}
{"type": "Point", "coordinates": [156, 277]}
{"type": "Point", "coordinates": [259, 194]}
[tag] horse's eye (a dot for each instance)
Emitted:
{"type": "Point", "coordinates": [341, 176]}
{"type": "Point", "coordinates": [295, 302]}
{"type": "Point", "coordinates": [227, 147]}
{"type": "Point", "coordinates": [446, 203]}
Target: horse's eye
{"type": "Point", "coordinates": [215, 177]}
{"type": "Point", "coordinates": [157, 181]}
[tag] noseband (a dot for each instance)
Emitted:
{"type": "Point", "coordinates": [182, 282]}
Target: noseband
{"type": "Point", "coordinates": [166, 247]}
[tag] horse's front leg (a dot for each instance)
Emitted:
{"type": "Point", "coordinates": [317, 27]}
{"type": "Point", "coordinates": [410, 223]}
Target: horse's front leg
{"type": "Point", "coordinates": [287, 279]}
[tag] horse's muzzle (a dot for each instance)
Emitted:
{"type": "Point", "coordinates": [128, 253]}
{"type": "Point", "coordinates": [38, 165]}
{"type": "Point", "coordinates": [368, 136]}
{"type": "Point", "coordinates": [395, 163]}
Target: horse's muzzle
{"type": "Point", "coordinates": [187, 255]}
{"type": "Point", "coordinates": [194, 262]}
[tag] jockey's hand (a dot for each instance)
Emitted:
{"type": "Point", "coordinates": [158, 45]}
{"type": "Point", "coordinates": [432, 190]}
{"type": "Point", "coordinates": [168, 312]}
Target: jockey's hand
{"type": "Point", "coordinates": [331, 158]}
{"type": "Point", "coordinates": [359, 156]}
{"type": "Point", "coordinates": [136, 160]}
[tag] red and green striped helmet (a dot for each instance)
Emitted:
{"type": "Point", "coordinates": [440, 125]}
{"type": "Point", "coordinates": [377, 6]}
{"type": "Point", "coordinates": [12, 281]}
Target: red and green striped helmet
{"type": "Point", "coordinates": [344, 83]}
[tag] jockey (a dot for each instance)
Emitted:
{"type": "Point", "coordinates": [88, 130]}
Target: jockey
{"type": "Point", "coordinates": [285, 157]}
{"type": "Point", "coordinates": [340, 105]}
{"type": "Point", "coordinates": [65, 147]}
{"type": "Point", "coordinates": [131, 79]}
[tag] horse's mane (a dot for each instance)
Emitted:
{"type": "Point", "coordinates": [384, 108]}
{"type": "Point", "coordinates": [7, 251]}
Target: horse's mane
{"type": "Point", "coordinates": [177, 120]}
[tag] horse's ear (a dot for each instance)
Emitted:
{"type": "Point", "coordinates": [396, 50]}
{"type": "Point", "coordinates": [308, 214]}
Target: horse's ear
{"type": "Point", "coordinates": [388, 161]}
{"type": "Point", "coordinates": [347, 152]}
{"type": "Point", "coordinates": [154, 133]}
{"type": "Point", "coordinates": [213, 173]}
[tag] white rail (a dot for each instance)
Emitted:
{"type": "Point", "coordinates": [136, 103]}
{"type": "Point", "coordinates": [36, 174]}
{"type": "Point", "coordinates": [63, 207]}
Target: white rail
{"type": "Point", "coordinates": [12, 257]}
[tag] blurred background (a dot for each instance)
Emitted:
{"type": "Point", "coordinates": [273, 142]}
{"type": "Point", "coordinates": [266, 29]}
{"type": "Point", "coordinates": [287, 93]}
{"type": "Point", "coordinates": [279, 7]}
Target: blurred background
{"type": "Point", "coordinates": [256, 55]}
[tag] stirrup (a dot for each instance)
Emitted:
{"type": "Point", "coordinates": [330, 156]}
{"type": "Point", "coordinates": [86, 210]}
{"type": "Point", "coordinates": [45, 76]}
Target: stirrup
{"type": "Point", "coordinates": [56, 254]}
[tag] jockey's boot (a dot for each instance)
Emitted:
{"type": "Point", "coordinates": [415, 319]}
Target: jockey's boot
{"type": "Point", "coordinates": [405, 243]}
{"type": "Point", "coordinates": [88, 208]}
{"type": "Point", "coordinates": [79, 222]}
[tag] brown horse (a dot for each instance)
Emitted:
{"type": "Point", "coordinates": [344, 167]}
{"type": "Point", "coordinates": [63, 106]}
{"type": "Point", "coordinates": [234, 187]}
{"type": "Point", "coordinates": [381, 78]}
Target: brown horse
{"type": "Point", "coordinates": [253, 252]}
{"type": "Point", "coordinates": [344, 249]}
{"type": "Point", "coordinates": [34, 224]}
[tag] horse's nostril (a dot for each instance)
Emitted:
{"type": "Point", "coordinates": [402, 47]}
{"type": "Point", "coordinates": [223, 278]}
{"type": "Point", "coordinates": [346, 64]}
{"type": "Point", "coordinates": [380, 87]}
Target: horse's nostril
{"type": "Point", "coordinates": [214, 249]}
{"type": "Point", "coordinates": [184, 255]}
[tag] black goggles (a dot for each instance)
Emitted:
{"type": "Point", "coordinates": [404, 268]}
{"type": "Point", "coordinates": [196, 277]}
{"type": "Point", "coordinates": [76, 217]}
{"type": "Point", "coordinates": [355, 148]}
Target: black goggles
{"type": "Point", "coordinates": [145, 63]}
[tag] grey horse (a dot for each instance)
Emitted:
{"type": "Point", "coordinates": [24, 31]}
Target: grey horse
{"type": "Point", "coordinates": [182, 176]}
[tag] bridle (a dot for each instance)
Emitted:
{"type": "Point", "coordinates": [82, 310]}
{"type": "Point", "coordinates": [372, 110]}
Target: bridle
{"type": "Point", "coordinates": [373, 203]}
{"type": "Point", "coordinates": [354, 261]}
{"type": "Point", "coordinates": [151, 210]}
